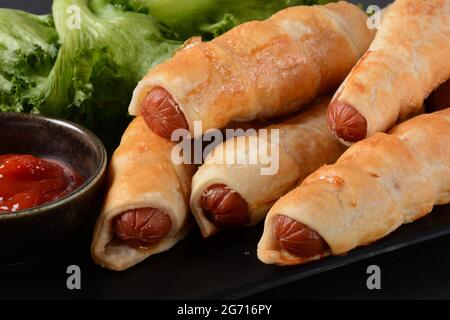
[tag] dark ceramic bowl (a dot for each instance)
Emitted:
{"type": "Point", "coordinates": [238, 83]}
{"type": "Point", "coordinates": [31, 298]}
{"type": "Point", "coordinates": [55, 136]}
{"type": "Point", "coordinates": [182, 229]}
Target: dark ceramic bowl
{"type": "Point", "coordinates": [30, 234]}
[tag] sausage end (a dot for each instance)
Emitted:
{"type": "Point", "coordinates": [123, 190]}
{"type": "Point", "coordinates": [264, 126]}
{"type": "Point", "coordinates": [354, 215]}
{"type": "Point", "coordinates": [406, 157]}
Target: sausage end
{"type": "Point", "coordinates": [224, 207]}
{"type": "Point", "coordinates": [162, 114]}
{"type": "Point", "coordinates": [141, 228]}
{"type": "Point", "coordinates": [297, 238]}
{"type": "Point", "coordinates": [346, 122]}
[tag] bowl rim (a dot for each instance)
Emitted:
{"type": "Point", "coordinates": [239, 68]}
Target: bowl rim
{"type": "Point", "coordinates": [90, 181]}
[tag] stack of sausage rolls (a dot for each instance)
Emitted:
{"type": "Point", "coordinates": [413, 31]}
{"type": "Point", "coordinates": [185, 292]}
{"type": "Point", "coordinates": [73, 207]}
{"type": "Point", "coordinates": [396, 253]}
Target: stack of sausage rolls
{"type": "Point", "coordinates": [356, 159]}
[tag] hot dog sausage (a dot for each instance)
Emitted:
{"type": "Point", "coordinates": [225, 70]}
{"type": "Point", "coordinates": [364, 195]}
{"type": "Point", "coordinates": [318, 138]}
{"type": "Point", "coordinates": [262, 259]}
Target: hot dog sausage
{"type": "Point", "coordinates": [161, 113]}
{"type": "Point", "coordinates": [346, 122]}
{"type": "Point", "coordinates": [297, 238]}
{"type": "Point", "coordinates": [142, 227]}
{"type": "Point", "coordinates": [224, 207]}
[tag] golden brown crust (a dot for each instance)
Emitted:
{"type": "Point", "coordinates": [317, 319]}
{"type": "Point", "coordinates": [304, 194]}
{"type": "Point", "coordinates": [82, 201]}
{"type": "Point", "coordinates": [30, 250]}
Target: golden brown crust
{"type": "Point", "coordinates": [407, 60]}
{"type": "Point", "coordinates": [141, 175]}
{"type": "Point", "coordinates": [376, 185]}
{"type": "Point", "coordinates": [262, 69]}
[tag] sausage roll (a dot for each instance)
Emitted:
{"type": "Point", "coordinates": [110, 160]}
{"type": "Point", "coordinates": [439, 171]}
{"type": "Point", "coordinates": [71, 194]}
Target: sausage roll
{"type": "Point", "coordinates": [407, 60]}
{"type": "Point", "coordinates": [146, 209]}
{"type": "Point", "coordinates": [257, 70]}
{"type": "Point", "coordinates": [377, 185]}
{"type": "Point", "coordinates": [227, 192]}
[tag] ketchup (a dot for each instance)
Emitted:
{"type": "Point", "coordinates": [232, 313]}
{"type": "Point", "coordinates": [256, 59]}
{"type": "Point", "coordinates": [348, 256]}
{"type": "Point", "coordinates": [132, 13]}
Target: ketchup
{"type": "Point", "coordinates": [27, 181]}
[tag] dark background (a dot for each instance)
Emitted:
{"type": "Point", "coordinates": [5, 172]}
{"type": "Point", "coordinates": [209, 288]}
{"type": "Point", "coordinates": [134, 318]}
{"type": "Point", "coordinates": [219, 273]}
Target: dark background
{"type": "Point", "coordinates": [44, 6]}
{"type": "Point", "coordinates": [417, 272]}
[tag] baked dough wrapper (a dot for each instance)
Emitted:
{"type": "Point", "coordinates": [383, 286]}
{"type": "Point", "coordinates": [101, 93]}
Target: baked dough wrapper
{"type": "Point", "coordinates": [262, 69]}
{"type": "Point", "coordinates": [141, 175]}
{"type": "Point", "coordinates": [304, 145]}
{"type": "Point", "coordinates": [406, 62]}
{"type": "Point", "coordinates": [377, 185]}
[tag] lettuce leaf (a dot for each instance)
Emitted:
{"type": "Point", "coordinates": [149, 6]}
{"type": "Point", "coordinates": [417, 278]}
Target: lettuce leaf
{"type": "Point", "coordinates": [100, 60]}
{"type": "Point", "coordinates": [81, 65]}
{"type": "Point", "coordinates": [207, 18]}
{"type": "Point", "coordinates": [28, 51]}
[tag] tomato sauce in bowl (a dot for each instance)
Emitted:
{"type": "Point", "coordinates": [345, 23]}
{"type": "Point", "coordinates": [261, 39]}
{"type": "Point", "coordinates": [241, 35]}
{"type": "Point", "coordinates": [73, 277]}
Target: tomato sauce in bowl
{"type": "Point", "coordinates": [52, 180]}
{"type": "Point", "coordinates": [27, 181]}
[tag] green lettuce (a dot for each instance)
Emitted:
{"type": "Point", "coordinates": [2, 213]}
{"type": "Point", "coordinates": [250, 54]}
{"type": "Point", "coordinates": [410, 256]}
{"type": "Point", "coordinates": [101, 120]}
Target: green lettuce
{"type": "Point", "coordinates": [82, 67]}
{"type": "Point", "coordinates": [207, 18]}
{"type": "Point", "coordinates": [100, 62]}
{"type": "Point", "coordinates": [28, 51]}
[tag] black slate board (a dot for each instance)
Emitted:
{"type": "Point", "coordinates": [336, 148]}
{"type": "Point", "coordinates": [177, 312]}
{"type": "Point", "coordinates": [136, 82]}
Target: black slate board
{"type": "Point", "coordinates": [223, 267]}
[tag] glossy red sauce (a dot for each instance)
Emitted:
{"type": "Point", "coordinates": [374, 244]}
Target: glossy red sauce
{"type": "Point", "coordinates": [27, 181]}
